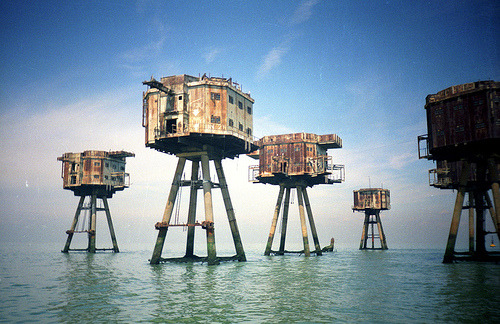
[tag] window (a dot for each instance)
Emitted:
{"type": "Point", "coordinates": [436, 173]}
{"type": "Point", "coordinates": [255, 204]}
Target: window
{"type": "Point", "coordinates": [249, 110]}
{"type": "Point", "coordinates": [231, 100]}
{"type": "Point", "coordinates": [97, 163]}
{"type": "Point", "coordinates": [240, 127]}
{"type": "Point", "coordinates": [214, 96]}
{"type": "Point", "coordinates": [180, 97]}
{"type": "Point", "coordinates": [73, 179]}
{"type": "Point", "coordinates": [240, 105]}
{"type": "Point", "coordinates": [96, 176]}
{"type": "Point", "coordinates": [231, 122]}
{"type": "Point", "coordinates": [215, 119]}
{"type": "Point", "coordinates": [249, 131]}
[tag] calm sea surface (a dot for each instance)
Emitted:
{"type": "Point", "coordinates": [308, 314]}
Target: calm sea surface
{"type": "Point", "coordinates": [393, 286]}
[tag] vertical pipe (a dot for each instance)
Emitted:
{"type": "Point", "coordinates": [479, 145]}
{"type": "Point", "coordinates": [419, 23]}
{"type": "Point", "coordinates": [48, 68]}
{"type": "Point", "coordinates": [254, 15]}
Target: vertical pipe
{"type": "Point", "coordinates": [73, 225]}
{"type": "Point", "coordinates": [457, 211]}
{"type": "Point", "coordinates": [209, 213]}
{"type": "Point", "coordinates": [284, 222]}
{"type": "Point", "coordinates": [93, 219]}
{"type": "Point", "coordinates": [193, 197]}
{"type": "Point", "coordinates": [275, 221]}
{"type": "Point", "coordinates": [162, 232]}
{"type": "Point", "coordinates": [311, 222]}
{"type": "Point", "coordinates": [240, 252]}
{"type": "Point", "coordinates": [110, 225]}
{"type": "Point", "coordinates": [303, 221]}
{"type": "Point", "coordinates": [471, 223]}
{"type": "Point", "coordinates": [383, 242]}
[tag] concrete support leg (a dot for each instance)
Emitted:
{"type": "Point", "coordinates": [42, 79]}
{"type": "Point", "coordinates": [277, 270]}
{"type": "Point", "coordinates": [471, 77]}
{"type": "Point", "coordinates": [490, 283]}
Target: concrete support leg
{"type": "Point", "coordinates": [492, 211]}
{"type": "Point", "coordinates": [275, 221]}
{"type": "Point", "coordinates": [303, 221]}
{"type": "Point", "coordinates": [110, 225]}
{"type": "Point", "coordinates": [364, 234]}
{"type": "Point", "coordinates": [193, 197]}
{"type": "Point", "coordinates": [240, 252]}
{"type": "Point", "coordinates": [471, 223]}
{"type": "Point", "coordinates": [284, 221]}
{"type": "Point", "coordinates": [93, 221]}
{"type": "Point", "coordinates": [73, 225]}
{"type": "Point", "coordinates": [480, 232]}
{"type": "Point", "coordinates": [311, 222]}
{"type": "Point", "coordinates": [457, 211]}
{"type": "Point", "coordinates": [383, 242]}
{"type": "Point", "coordinates": [209, 214]}
{"type": "Point", "coordinates": [168, 211]}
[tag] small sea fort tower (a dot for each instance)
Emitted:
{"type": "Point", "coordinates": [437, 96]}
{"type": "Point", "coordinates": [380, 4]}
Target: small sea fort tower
{"type": "Point", "coordinates": [96, 175]}
{"type": "Point", "coordinates": [371, 201]}
{"type": "Point", "coordinates": [295, 161]}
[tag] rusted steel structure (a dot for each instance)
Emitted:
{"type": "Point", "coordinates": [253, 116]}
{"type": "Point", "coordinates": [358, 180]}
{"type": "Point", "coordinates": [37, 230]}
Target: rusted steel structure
{"type": "Point", "coordinates": [295, 161]}
{"type": "Point", "coordinates": [200, 119]}
{"type": "Point", "coordinates": [96, 175]}
{"type": "Point", "coordinates": [371, 201]}
{"type": "Point", "coordinates": [463, 124]}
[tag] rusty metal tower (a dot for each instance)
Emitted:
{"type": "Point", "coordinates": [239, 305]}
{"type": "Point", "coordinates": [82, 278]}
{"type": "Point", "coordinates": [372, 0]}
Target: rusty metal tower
{"type": "Point", "coordinates": [463, 124]}
{"type": "Point", "coordinates": [371, 201]}
{"type": "Point", "coordinates": [96, 175]}
{"type": "Point", "coordinates": [295, 161]}
{"type": "Point", "coordinates": [200, 119]}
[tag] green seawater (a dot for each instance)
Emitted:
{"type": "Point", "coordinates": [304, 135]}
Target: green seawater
{"type": "Point", "coordinates": [43, 285]}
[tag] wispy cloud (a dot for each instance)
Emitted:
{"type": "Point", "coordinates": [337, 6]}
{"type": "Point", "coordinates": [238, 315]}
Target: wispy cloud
{"type": "Point", "coordinates": [273, 58]}
{"type": "Point", "coordinates": [303, 12]}
{"type": "Point", "coordinates": [211, 53]}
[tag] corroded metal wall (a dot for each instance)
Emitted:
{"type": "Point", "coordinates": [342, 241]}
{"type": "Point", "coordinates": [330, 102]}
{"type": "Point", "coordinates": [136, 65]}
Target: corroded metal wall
{"type": "Point", "coordinates": [94, 169]}
{"type": "Point", "coordinates": [184, 106]}
{"type": "Point", "coordinates": [463, 117]}
{"type": "Point", "coordinates": [295, 155]}
{"type": "Point", "coordinates": [371, 198]}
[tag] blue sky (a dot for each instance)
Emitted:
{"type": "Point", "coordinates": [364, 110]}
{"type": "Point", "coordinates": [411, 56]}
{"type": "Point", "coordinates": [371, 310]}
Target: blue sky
{"type": "Point", "coordinates": [70, 80]}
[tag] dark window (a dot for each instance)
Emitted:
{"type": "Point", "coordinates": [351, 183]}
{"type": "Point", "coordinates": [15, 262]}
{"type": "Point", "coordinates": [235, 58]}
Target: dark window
{"type": "Point", "coordinates": [73, 179]}
{"type": "Point", "coordinates": [231, 100]}
{"type": "Point", "coordinates": [215, 119]}
{"type": "Point", "coordinates": [96, 176]}
{"type": "Point", "coordinates": [249, 110]}
{"type": "Point", "coordinates": [231, 122]}
{"type": "Point", "coordinates": [214, 96]}
{"type": "Point", "coordinates": [97, 163]}
{"type": "Point", "coordinates": [180, 97]}
{"type": "Point", "coordinates": [240, 105]}
{"type": "Point", "coordinates": [249, 131]}
{"type": "Point", "coordinates": [240, 127]}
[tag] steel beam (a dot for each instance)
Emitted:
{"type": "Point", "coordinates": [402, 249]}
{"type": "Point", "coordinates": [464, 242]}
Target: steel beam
{"type": "Point", "coordinates": [311, 222]}
{"type": "Point", "coordinates": [303, 221]}
{"type": "Point", "coordinates": [73, 225]}
{"type": "Point", "coordinates": [110, 225]}
{"type": "Point", "coordinates": [284, 220]}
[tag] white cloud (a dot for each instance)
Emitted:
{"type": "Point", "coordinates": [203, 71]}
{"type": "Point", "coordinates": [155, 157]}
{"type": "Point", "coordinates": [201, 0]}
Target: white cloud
{"type": "Point", "coordinates": [303, 12]}
{"type": "Point", "coordinates": [210, 54]}
{"type": "Point", "coordinates": [273, 58]}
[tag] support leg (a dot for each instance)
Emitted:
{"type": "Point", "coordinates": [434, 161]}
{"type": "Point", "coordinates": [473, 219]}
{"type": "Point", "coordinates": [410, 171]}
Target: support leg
{"type": "Point", "coordinates": [73, 225]}
{"type": "Point", "coordinates": [209, 214]}
{"type": "Point", "coordinates": [381, 234]}
{"type": "Point", "coordinates": [168, 211]}
{"type": "Point", "coordinates": [364, 234]}
{"type": "Point", "coordinates": [480, 233]}
{"type": "Point", "coordinates": [311, 222]}
{"type": "Point", "coordinates": [455, 221]}
{"type": "Point", "coordinates": [93, 220]}
{"type": "Point", "coordinates": [303, 222]}
{"type": "Point", "coordinates": [471, 223]}
{"type": "Point", "coordinates": [495, 188]}
{"type": "Point", "coordinates": [284, 221]}
{"type": "Point", "coordinates": [275, 221]}
{"type": "Point", "coordinates": [193, 197]}
{"type": "Point", "coordinates": [110, 225]}
{"type": "Point", "coordinates": [240, 252]}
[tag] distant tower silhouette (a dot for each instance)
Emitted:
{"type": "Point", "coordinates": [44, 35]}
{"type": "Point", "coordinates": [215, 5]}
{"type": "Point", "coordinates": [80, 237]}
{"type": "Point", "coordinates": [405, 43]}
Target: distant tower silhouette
{"type": "Point", "coordinates": [371, 201]}
{"type": "Point", "coordinates": [295, 161]}
{"type": "Point", "coordinates": [463, 124]}
{"type": "Point", "coordinates": [200, 119]}
{"type": "Point", "coordinates": [97, 175]}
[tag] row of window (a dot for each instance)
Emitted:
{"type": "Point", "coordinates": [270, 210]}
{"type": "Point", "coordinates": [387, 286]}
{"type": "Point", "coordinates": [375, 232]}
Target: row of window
{"type": "Point", "coordinates": [216, 96]}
